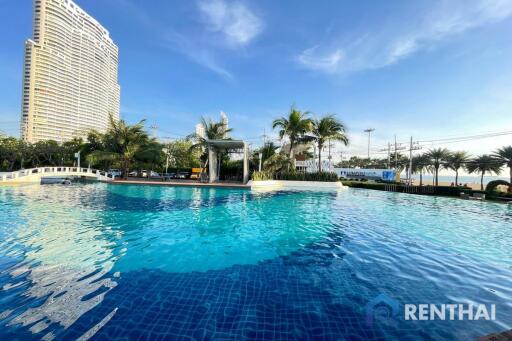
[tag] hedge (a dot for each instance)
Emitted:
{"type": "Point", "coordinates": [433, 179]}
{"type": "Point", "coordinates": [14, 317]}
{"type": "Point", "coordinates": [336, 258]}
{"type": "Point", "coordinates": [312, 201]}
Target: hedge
{"type": "Point", "coordinates": [401, 188]}
{"type": "Point", "coordinates": [296, 176]}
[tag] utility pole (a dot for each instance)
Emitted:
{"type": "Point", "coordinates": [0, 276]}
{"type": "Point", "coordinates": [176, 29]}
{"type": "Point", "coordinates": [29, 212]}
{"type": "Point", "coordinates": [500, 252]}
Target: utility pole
{"type": "Point", "coordinates": [369, 131]}
{"type": "Point", "coordinates": [154, 127]}
{"type": "Point", "coordinates": [389, 155]}
{"type": "Point", "coordinates": [264, 136]}
{"type": "Point", "coordinates": [396, 154]}
{"type": "Point", "coordinates": [167, 150]}
{"type": "Point", "coordinates": [410, 163]}
{"type": "Point", "coordinates": [314, 158]}
{"type": "Point", "coordinates": [260, 154]}
{"type": "Point", "coordinates": [329, 157]}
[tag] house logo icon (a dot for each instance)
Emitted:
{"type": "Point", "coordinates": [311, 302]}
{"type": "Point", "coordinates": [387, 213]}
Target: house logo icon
{"type": "Point", "coordinates": [382, 309]}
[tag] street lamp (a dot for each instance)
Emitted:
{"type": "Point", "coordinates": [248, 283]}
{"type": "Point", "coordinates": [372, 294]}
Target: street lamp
{"type": "Point", "coordinates": [369, 131]}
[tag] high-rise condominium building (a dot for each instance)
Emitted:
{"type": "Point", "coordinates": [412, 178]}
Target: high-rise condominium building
{"type": "Point", "coordinates": [69, 76]}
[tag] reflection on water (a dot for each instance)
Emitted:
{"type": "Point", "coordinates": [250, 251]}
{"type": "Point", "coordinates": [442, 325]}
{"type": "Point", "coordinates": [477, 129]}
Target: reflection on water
{"type": "Point", "coordinates": [64, 256]}
{"type": "Point", "coordinates": [65, 245]}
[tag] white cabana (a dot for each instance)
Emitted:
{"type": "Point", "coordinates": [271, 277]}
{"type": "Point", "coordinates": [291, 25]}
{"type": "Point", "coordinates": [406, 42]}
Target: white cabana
{"type": "Point", "coordinates": [230, 146]}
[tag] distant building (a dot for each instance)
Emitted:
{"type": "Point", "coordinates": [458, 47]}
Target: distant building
{"type": "Point", "coordinates": [70, 72]}
{"type": "Point", "coordinates": [225, 123]}
{"type": "Point", "coordinates": [200, 132]}
{"type": "Point", "coordinates": [200, 129]}
{"type": "Point", "coordinates": [311, 165]}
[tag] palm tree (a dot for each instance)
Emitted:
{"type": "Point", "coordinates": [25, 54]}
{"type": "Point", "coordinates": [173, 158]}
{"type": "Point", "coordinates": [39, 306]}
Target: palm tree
{"type": "Point", "coordinates": [212, 131]}
{"type": "Point", "coordinates": [438, 157]}
{"type": "Point", "coordinates": [504, 155]}
{"type": "Point", "coordinates": [402, 163]}
{"type": "Point", "coordinates": [295, 126]}
{"type": "Point", "coordinates": [456, 161]}
{"type": "Point", "coordinates": [421, 164]}
{"type": "Point", "coordinates": [277, 163]}
{"type": "Point", "coordinates": [122, 143]}
{"type": "Point", "coordinates": [484, 164]}
{"type": "Point", "coordinates": [266, 151]}
{"type": "Point", "coordinates": [326, 129]}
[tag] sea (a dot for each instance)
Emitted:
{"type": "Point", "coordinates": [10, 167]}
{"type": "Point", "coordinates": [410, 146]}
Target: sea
{"type": "Point", "coordinates": [463, 179]}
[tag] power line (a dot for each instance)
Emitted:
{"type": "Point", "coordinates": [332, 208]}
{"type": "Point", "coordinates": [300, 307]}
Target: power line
{"type": "Point", "coordinates": [456, 139]}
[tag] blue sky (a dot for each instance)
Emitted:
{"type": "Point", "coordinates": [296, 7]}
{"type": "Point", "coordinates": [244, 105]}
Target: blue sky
{"type": "Point", "coordinates": [422, 68]}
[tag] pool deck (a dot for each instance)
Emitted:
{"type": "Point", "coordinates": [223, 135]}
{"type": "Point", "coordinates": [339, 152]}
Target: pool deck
{"type": "Point", "coordinates": [182, 184]}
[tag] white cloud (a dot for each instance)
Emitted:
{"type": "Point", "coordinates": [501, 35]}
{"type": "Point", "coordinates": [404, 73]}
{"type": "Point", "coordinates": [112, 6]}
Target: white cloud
{"type": "Point", "coordinates": [227, 25]}
{"type": "Point", "coordinates": [327, 62]}
{"type": "Point", "coordinates": [234, 21]}
{"type": "Point", "coordinates": [196, 52]}
{"type": "Point", "coordinates": [223, 25]}
{"type": "Point", "coordinates": [380, 49]}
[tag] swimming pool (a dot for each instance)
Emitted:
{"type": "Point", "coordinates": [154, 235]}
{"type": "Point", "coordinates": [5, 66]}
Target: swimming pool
{"type": "Point", "coordinates": [106, 261]}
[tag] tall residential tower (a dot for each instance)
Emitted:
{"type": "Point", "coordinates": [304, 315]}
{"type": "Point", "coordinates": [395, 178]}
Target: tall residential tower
{"type": "Point", "coordinates": [69, 76]}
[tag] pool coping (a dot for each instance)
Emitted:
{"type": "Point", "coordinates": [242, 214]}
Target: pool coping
{"type": "Point", "coordinates": [180, 184]}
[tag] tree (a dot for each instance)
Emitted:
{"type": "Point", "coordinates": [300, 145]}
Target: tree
{"type": "Point", "coordinates": [12, 151]}
{"type": "Point", "coordinates": [377, 163]}
{"type": "Point", "coordinates": [266, 151]}
{"type": "Point", "coordinates": [94, 143]}
{"type": "Point", "coordinates": [180, 155]}
{"type": "Point", "coordinates": [212, 131]}
{"type": "Point", "coordinates": [326, 129]}
{"type": "Point", "coordinates": [277, 163]}
{"type": "Point", "coordinates": [47, 153]}
{"type": "Point", "coordinates": [456, 161]}
{"type": "Point", "coordinates": [401, 163]}
{"type": "Point", "coordinates": [68, 150]}
{"type": "Point", "coordinates": [493, 185]}
{"type": "Point", "coordinates": [151, 155]}
{"type": "Point", "coordinates": [438, 157]}
{"type": "Point", "coordinates": [122, 143]}
{"type": "Point", "coordinates": [421, 164]}
{"type": "Point", "coordinates": [295, 127]}
{"type": "Point", "coordinates": [504, 155]}
{"type": "Point", "coordinates": [357, 162]}
{"type": "Point", "coordinates": [484, 164]}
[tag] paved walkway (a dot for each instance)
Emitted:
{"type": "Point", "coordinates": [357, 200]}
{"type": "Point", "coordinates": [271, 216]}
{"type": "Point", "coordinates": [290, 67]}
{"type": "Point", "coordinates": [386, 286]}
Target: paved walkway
{"type": "Point", "coordinates": [183, 183]}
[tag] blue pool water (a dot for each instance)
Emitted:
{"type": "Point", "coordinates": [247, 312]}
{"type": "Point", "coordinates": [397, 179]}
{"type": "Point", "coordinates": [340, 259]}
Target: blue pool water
{"type": "Point", "coordinates": [108, 261]}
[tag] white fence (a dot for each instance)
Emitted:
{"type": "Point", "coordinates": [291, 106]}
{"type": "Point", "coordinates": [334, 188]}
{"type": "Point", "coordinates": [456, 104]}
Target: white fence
{"type": "Point", "coordinates": [36, 174]}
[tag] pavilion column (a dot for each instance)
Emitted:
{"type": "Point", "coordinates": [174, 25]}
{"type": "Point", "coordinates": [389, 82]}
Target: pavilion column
{"type": "Point", "coordinates": [246, 163]}
{"type": "Point", "coordinates": [212, 164]}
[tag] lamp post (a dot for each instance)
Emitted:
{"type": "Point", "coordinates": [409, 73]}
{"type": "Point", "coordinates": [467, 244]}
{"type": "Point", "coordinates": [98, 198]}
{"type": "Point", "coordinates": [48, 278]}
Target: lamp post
{"type": "Point", "coordinates": [166, 151]}
{"type": "Point", "coordinates": [369, 131]}
{"type": "Point", "coordinates": [77, 156]}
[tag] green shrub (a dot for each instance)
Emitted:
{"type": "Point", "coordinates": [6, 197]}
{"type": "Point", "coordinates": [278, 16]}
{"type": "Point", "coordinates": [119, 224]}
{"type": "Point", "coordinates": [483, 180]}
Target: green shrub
{"type": "Point", "coordinates": [367, 185]}
{"type": "Point", "coordinates": [295, 176]}
{"type": "Point", "coordinates": [300, 176]}
{"type": "Point", "coordinates": [439, 190]}
{"type": "Point", "coordinates": [262, 176]}
{"type": "Point", "coordinates": [491, 186]}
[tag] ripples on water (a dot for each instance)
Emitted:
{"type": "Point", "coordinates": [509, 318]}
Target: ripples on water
{"type": "Point", "coordinates": [70, 256]}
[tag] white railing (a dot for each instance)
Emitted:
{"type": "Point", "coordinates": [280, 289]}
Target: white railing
{"type": "Point", "coordinates": [41, 172]}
